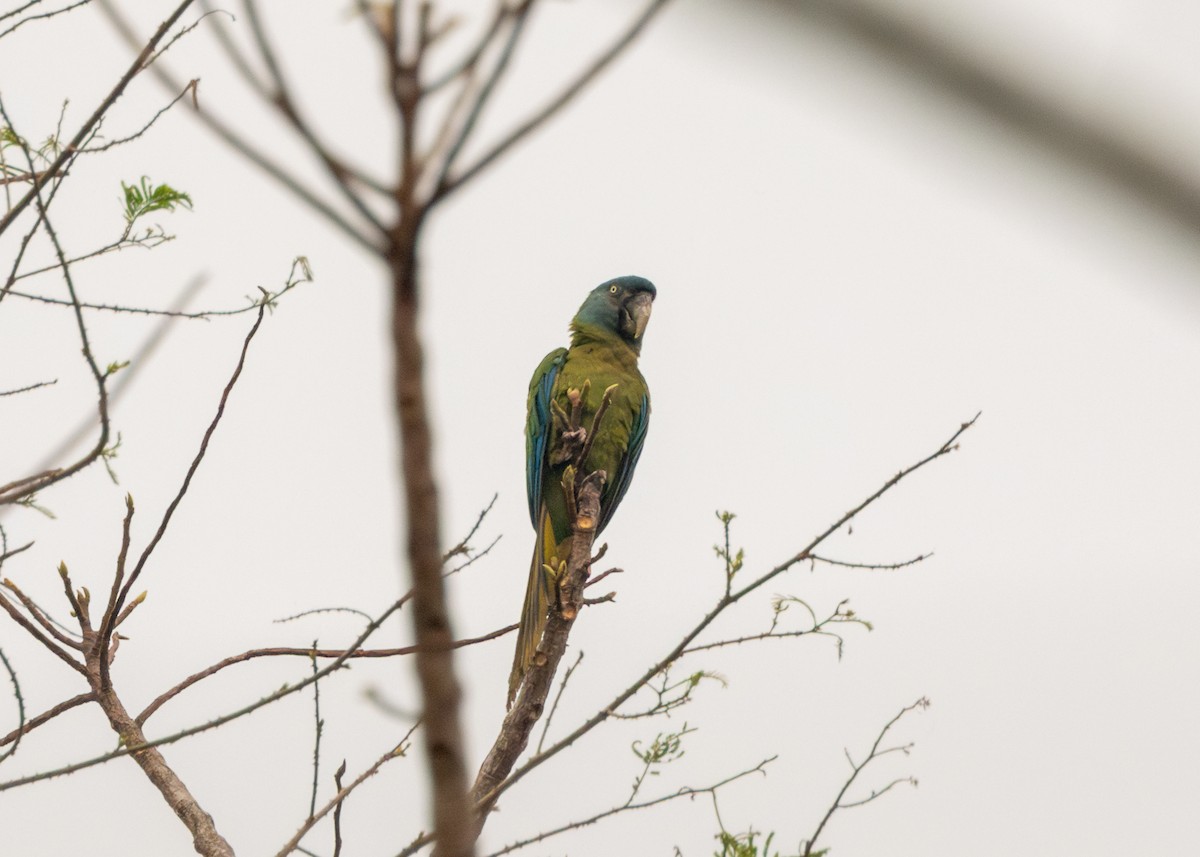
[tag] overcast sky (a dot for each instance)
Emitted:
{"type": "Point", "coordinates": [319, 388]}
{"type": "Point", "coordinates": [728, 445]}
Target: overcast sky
{"type": "Point", "coordinates": [850, 263]}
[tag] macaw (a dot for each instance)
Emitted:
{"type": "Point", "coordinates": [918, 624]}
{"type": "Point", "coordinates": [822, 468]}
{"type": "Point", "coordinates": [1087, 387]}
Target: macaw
{"type": "Point", "coordinates": [606, 339]}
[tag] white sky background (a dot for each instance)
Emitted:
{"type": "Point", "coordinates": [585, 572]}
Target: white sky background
{"type": "Point", "coordinates": [849, 266]}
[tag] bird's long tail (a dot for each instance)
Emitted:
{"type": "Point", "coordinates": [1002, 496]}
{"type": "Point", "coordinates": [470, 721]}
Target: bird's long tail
{"type": "Point", "coordinates": [538, 592]}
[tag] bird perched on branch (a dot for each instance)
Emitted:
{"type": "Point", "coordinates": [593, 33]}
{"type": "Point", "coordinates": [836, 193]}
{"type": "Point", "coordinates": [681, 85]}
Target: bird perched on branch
{"type": "Point", "coordinates": [597, 375]}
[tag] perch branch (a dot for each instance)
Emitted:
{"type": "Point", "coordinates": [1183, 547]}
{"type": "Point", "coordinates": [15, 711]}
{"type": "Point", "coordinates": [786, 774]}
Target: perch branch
{"type": "Point", "coordinates": [486, 796]}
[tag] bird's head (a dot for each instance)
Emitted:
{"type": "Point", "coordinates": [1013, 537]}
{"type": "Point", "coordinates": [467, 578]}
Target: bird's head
{"type": "Point", "coordinates": [620, 306]}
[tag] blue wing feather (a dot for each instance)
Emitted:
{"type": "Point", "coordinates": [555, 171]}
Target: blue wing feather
{"type": "Point", "coordinates": [538, 426]}
{"type": "Point", "coordinates": [618, 487]}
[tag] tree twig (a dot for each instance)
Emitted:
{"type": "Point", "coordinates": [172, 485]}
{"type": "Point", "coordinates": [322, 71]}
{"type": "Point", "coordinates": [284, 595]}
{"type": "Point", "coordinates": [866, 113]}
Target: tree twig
{"type": "Point", "coordinates": [347, 654]}
{"type": "Point", "coordinates": [557, 698]}
{"type": "Point", "coordinates": [335, 803]}
{"type": "Point", "coordinates": [686, 791]}
{"type": "Point", "coordinates": [857, 768]}
{"type": "Point", "coordinates": [46, 716]}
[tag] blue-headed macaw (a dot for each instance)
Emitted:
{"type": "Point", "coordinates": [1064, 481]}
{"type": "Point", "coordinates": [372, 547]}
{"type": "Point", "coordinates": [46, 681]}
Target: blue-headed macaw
{"type": "Point", "coordinates": [606, 339]}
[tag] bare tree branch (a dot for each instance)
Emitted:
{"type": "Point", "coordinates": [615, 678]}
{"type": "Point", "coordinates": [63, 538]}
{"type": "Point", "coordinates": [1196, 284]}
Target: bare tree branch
{"type": "Point", "coordinates": [686, 791]}
{"type": "Point", "coordinates": [857, 768]}
{"type": "Point", "coordinates": [335, 803]}
{"type": "Point", "coordinates": [46, 716]}
{"type": "Point", "coordinates": [347, 654]}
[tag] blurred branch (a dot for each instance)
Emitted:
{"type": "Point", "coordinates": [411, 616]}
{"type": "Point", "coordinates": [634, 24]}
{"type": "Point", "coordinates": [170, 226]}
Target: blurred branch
{"type": "Point", "coordinates": [226, 133]}
{"type": "Point", "coordinates": [450, 183]}
{"type": "Point", "coordinates": [1072, 133]}
{"type": "Point", "coordinates": [281, 97]}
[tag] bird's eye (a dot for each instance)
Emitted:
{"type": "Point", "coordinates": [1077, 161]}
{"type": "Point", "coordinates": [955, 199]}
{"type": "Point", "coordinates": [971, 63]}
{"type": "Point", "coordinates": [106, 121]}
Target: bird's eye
{"type": "Point", "coordinates": [613, 289]}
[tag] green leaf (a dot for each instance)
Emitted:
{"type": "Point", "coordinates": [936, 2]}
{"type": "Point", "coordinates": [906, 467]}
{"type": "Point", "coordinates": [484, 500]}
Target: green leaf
{"type": "Point", "coordinates": [145, 197]}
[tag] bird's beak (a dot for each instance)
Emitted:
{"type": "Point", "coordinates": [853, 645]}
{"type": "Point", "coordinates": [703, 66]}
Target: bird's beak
{"type": "Point", "coordinates": [636, 315]}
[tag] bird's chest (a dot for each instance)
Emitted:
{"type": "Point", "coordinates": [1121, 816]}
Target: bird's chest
{"type": "Point", "coordinates": [592, 374]}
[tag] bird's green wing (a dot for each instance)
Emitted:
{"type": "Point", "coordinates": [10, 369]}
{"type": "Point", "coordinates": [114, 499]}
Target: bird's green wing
{"type": "Point", "coordinates": [618, 485]}
{"type": "Point", "coordinates": [539, 425]}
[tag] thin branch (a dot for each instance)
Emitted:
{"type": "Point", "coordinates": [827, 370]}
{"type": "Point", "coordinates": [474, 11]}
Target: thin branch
{"type": "Point", "coordinates": [464, 546]}
{"type": "Point", "coordinates": [461, 121]}
{"type": "Point", "coordinates": [21, 725]}
{"type": "Point", "coordinates": [337, 812]}
{"type": "Point", "coordinates": [475, 558]}
{"type": "Point", "coordinates": [109, 623]}
{"type": "Point", "coordinates": [592, 581]}
{"type": "Point", "coordinates": [46, 716]}
{"type": "Point", "coordinates": [872, 566]}
{"type": "Point", "coordinates": [42, 15]}
{"type": "Point", "coordinates": [686, 791]}
{"type": "Point", "coordinates": [945, 449]}
{"type": "Point", "coordinates": [17, 617]}
{"type": "Point", "coordinates": [9, 554]}
{"type": "Point", "coordinates": [471, 59]}
{"type": "Point", "coordinates": [335, 803]}
{"type": "Point", "coordinates": [166, 313]}
{"type": "Point", "coordinates": [12, 13]}
{"type": "Point", "coordinates": [320, 728]}
{"type": "Point", "coordinates": [189, 89]}
{"type": "Point", "coordinates": [195, 465]}
{"type": "Point", "coordinates": [856, 769]}
{"type": "Point", "coordinates": [206, 840]}
{"type": "Point", "coordinates": [840, 615]}
{"type": "Point", "coordinates": [41, 618]}
{"type": "Point", "coordinates": [557, 698]}
{"type": "Point", "coordinates": [280, 651]}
